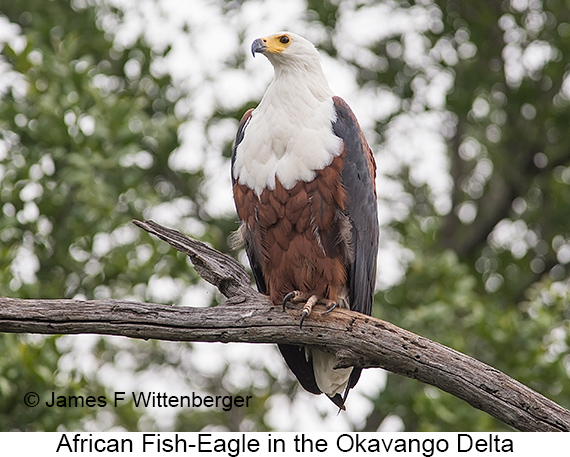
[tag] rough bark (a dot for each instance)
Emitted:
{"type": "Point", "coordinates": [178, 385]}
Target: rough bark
{"type": "Point", "coordinates": [248, 316]}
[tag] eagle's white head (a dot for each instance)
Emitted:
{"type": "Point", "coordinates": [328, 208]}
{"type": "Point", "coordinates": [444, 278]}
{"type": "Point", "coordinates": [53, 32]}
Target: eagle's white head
{"type": "Point", "coordinates": [288, 51]}
{"type": "Point", "coordinates": [289, 135]}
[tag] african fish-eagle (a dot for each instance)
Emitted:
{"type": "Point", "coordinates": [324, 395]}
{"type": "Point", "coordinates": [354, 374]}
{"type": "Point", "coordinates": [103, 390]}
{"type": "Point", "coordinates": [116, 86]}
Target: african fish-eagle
{"type": "Point", "coordinates": [303, 182]}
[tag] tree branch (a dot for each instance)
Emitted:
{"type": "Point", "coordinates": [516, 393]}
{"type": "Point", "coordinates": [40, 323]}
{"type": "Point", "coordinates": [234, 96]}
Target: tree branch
{"type": "Point", "coordinates": [248, 316]}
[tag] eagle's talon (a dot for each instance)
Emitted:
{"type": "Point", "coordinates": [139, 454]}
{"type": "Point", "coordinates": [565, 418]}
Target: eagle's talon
{"type": "Point", "coordinates": [332, 306]}
{"type": "Point", "coordinates": [304, 314]}
{"type": "Point", "coordinates": [289, 298]}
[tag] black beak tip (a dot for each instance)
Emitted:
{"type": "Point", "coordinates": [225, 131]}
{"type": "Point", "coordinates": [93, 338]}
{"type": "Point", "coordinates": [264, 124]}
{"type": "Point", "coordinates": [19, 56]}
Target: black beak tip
{"type": "Point", "coordinates": [258, 46]}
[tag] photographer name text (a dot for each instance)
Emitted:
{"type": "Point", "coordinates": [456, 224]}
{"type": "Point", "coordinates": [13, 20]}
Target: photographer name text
{"type": "Point", "coordinates": [149, 400]}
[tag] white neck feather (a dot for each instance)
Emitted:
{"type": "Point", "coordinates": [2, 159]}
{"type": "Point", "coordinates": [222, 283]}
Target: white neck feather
{"type": "Point", "coordinates": [289, 135]}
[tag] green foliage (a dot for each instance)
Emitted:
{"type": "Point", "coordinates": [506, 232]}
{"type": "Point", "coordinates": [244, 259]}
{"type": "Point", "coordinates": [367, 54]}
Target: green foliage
{"type": "Point", "coordinates": [88, 129]}
{"type": "Point", "coordinates": [489, 276]}
{"type": "Point", "coordinates": [29, 366]}
{"type": "Point", "coordinates": [87, 149]}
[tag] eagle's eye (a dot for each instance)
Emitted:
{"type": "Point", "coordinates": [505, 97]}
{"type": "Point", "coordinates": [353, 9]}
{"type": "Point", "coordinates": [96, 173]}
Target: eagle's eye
{"type": "Point", "coordinates": [284, 39]}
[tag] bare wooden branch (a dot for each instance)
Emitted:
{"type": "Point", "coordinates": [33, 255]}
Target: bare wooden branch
{"type": "Point", "coordinates": [248, 316]}
{"type": "Point", "coordinates": [220, 270]}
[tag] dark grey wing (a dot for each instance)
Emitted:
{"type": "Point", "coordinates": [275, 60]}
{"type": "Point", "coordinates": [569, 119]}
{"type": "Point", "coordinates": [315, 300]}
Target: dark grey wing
{"type": "Point", "coordinates": [300, 366]}
{"type": "Point", "coordinates": [358, 178]}
{"type": "Point", "coordinates": [239, 137]}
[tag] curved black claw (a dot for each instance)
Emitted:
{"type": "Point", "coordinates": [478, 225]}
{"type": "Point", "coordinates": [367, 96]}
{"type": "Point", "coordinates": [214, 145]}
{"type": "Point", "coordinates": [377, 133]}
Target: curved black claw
{"type": "Point", "coordinates": [304, 314]}
{"type": "Point", "coordinates": [288, 297]}
{"type": "Point", "coordinates": [329, 309]}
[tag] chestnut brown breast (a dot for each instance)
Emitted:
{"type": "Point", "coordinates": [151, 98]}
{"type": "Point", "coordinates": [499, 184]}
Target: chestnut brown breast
{"type": "Point", "coordinates": [301, 235]}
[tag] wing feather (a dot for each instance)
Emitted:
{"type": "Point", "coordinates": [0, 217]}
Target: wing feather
{"type": "Point", "coordinates": [358, 178]}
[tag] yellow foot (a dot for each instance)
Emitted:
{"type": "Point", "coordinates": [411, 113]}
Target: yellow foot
{"type": "Point", "coordinates": [308, 308]}
{"type": "Point", "coordinates": [310, 301]}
